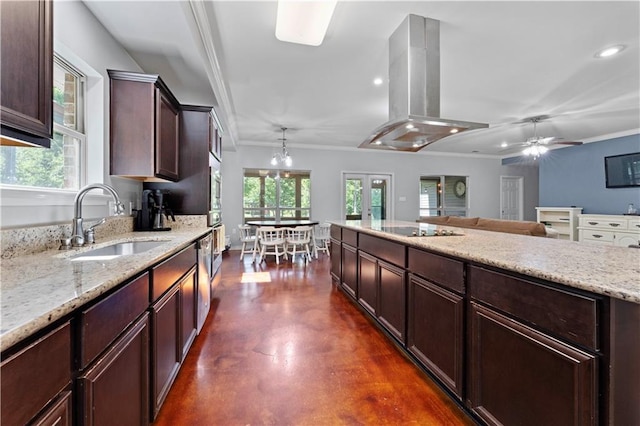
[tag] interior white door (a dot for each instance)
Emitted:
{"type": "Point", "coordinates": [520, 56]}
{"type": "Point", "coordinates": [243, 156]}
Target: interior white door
{"type": "Point", "coordinates": [511, 199]}
{"type": "Point", "coordinates": [366, 196]}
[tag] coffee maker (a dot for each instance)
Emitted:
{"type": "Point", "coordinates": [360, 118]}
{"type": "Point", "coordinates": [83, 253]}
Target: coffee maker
{"type": "Point", "coordinates": [154, 209]}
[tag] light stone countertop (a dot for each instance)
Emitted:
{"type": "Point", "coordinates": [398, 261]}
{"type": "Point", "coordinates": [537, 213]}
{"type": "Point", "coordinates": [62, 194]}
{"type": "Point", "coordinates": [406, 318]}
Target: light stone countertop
{"type": "Point", "coordinates": [38, 289]}
{"type": "Point", "coordinates": [602, 269]}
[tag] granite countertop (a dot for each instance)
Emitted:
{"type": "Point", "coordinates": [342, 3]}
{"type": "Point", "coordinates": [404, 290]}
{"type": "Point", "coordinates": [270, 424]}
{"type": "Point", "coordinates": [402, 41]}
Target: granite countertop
{"type": "Point", "coordinates": [40, 288]}
{"type": "Point", "coordinates": [602, 269]}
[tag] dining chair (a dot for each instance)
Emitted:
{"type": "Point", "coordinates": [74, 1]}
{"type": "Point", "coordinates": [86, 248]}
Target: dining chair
{"type": "Point", "coordinates": [298, 241]}
{"type": "Point", "coordinates": [272, 242]}
{"type": "Point", "coordinates": [321, 238]}
{"type": "Point", "coordinates": [249, 241]}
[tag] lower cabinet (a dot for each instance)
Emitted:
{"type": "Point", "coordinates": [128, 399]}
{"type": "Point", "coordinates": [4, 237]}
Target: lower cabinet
{"type": "Point", "coordinates": [368, 282]}
{"type": "Point", "coordinates": [188, 311]}
{"type": "Point", "coordinates": [115, 390]}
{"type": "Point", "coordinates": [392, 296]}
{"type": "Point", "coordinates": [60, 413]}
{"type": "Point", "coordinates": [35, 376]}
{"type": "Point", "coordinates": [436, 331]}
{"type": "Point", "coordinates": [336, 261]}
{"type": "Point", "coordinates": [166, 346]}
{"type": "Point", "coordinates": [349, 278]}
{"type": "Point", "coordinates": [522, 376]}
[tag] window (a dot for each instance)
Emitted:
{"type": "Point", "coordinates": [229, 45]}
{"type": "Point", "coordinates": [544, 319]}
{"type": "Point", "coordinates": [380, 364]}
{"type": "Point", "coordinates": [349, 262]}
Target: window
{"type": "Point", "coordinates": [276, 194]}
{"type": "Point", "coordinates": [60, 166]}
{"type": "Point", "coordinates": [443, 196]}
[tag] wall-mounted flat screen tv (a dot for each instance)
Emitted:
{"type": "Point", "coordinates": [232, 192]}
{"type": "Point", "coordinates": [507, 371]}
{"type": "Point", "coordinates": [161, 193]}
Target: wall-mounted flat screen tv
{"type": "Point", "coordinates": [622, 171]}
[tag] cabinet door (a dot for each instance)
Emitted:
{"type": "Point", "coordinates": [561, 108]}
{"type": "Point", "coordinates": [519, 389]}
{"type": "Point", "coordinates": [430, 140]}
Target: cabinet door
{"type": "Point", "coordinates": [115, 390]}
{"type": "Point", "coordinates": [166, 348]}
{"type": "Point", "coordinates": [26, 54]}
{"type": "Point", "coordinates": [188, 311]}
{"type": "Point", "coordinates": [391, 300]}
{"type": "Point", "coordinates": [435, 331]}
{"type": "Point", "coordinates": [350, 270]}
{"type": "Point", "coordinates": [368, 282]}
{"type": "Point", "coordinates": [625, 240]}
{"type": "Point", "coordinates": [521, 376]}
{"type": "Point", "coordinates": [336, 260]}
{"type": "Point", "coordinates": [166, 137]}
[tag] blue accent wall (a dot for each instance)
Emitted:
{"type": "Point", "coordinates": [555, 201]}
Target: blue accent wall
{"type": "Point", "coordinates": [574, 176]}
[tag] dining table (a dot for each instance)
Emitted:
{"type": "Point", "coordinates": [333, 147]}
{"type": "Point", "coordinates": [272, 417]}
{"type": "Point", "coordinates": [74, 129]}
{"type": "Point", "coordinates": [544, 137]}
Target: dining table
{"type": "Point", "coordinates": [287, 223]}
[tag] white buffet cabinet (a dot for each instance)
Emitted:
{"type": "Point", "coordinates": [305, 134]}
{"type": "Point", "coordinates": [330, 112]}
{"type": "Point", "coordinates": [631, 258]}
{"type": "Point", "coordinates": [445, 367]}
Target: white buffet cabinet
{"type": "Point", "coordinates": [618, 230]}
{"type": "Point", "coordinates": [563, 220]}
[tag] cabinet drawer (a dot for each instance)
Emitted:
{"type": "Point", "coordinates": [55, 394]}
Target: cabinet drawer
{"type": "Point", "coordinates": [633, 225]}
{"type": "Point", "coordinates": [439, 269]}
{"type": "Point", "coordinates": [597, 235]}
{"type": "Point", "coordinates": [568, 315]}
{"type": "Point", "coordinates": [34, 376]}
{"type": "Point", "coordinates": [382, 249]}
{"type": "Point", "coordinates": [171, 270]}
{"type": "Point", "coordinates": [103, 322]}
{"type": "Point", "coordinates": [350, 237]}
{"type": "Point", "coordinates": [336, 232]}
{"type": "Point", "coordinates": [603, 223]}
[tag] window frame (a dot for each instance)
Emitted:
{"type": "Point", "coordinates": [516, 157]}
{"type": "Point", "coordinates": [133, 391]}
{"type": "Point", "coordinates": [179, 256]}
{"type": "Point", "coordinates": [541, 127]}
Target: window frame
{"type": "Point", "coordinates": [277, 208]}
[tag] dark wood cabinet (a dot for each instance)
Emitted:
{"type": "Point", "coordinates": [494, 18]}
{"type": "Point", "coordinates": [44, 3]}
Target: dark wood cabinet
{"type": "Point", "coordinates": [519, 375]}
{"type": "Point", "coordinates": [193, 194]}
{"type": "Point", "coordinates": [391, 299]}
{"type": "Point", "coordinates": [368, 282]}
{"type": "Point", "coordinates": [167, 136]}
{"type": "Point", "coordinates": [59, 414]}
{"type": "Point", "coordinates": [436, 331]}
{"type": "Point", "coordinates": [349, 278]}
{"type": "Point", "coordinates": [115, 389]}
{"type": "Point", "coordinates": [144, 127]}
{"type": "Point", "coordinates": [166, 346]}
{"type": "Point", "coordinates": [26, 54]}
{"type": "Point", "coordinates": [34, 376]}
{"type": "Point", "coordinates": [188, 311]}
{"type": "Point", "coordinates": [335, 247]}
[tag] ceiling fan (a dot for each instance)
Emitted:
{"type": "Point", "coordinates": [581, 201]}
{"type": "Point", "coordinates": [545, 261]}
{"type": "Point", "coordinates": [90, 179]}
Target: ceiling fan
{"type": "Point", "coordinates": [536, 145]}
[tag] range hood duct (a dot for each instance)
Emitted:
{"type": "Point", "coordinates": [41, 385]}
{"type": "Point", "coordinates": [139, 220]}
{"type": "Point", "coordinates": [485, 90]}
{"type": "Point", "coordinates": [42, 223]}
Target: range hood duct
{"type": "Point", "coordinates": [414, 90]}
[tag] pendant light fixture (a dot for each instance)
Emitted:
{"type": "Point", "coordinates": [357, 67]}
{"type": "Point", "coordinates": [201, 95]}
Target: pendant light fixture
{"type": "Point", "coordinates": [280, 158]}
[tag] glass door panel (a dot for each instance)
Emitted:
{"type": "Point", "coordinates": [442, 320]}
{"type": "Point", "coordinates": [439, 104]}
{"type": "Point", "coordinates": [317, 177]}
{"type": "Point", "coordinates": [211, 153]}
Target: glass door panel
{"type": "Point", "coordinates": [366, 196]}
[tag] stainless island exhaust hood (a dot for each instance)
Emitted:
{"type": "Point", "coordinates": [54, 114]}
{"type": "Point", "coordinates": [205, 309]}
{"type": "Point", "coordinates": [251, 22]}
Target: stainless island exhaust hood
{"type": "Point", "coordinates": [414, 90]}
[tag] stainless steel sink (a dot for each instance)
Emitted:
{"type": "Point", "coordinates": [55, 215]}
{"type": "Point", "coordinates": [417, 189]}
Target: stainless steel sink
{"type": "Point", "coordinates": [116, 250]}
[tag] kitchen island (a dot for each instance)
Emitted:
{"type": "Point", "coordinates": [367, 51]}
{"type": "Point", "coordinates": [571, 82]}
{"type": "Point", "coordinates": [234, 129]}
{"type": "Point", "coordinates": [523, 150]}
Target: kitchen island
{"type": "Point", "coordinates": [518, 329]}
{"type": "Point", "coordinates": [82, 335]}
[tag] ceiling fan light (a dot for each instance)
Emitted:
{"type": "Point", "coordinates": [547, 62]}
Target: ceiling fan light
{"type": "Point", "coordinates": [542, 149]}
{"type": "Point", "coordinates": [610, 51]}
{"type": "Point", "coordinates": [528, 151]}
{"type": "Point", "coordinates": [304, 22]}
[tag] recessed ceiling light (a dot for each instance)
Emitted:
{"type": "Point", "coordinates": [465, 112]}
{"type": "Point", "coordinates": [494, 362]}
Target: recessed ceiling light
{"type": "Point", "coordinates": [377, 81]}
{"type": "Point", "coordinates": [453, 131]}
{"type": "Point", "coordinates": [504, 145]}
{"type": "Point", "coordinates": [409, 126]}
{"type": "Point", "coordinates": [377, 142]}
{"type": "Point", "coordinates": [610, 51]}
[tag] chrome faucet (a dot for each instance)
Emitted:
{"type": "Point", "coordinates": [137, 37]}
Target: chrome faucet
{"type": "Point", "coordinates": [78, 238]}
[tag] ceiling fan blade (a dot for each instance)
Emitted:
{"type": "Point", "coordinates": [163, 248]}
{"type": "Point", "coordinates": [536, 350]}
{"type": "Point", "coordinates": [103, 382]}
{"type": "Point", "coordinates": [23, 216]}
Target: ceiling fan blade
{"type": "Point", "coordinates": [566, 143]}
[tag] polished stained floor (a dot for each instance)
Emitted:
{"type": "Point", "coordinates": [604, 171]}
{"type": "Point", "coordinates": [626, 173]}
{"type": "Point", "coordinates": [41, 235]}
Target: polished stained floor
{"type": "Point", "coordinates": [283, 346]}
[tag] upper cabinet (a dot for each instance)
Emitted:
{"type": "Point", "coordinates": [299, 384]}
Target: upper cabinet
{"type": "Point", "coordinates": [26, 54]}
{"type": "Point", "coordinates": [144, 127]}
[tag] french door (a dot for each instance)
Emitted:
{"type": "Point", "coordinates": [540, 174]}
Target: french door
{"type": "Point", "coordinates": [366, 196]}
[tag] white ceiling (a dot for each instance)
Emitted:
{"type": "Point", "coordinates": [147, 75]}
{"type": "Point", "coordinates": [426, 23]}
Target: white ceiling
{"type": "Point", "coordinates": [501, 62]}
